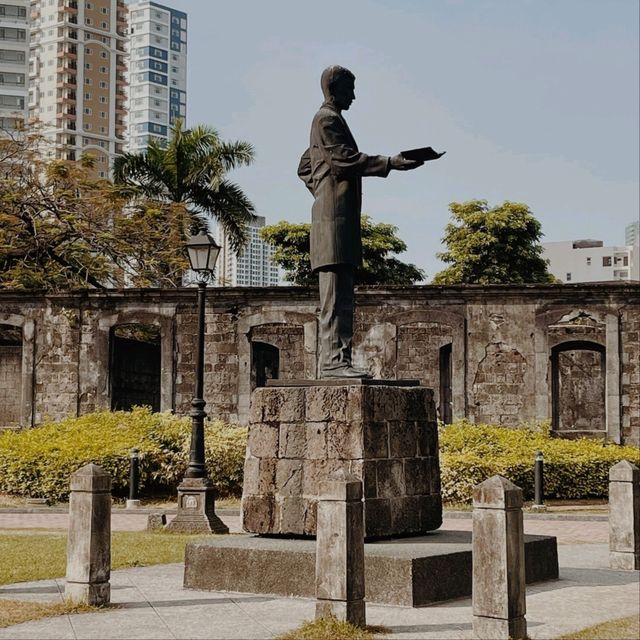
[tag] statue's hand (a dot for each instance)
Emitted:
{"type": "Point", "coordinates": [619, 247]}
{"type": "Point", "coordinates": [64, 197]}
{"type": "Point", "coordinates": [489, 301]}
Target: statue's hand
{"type": "Point", "coordinates": [400, 163]}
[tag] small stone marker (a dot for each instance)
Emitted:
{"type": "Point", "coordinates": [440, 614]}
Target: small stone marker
{"type": "Point", "coordinates": [624, 516]}
{"type": "Point", "coordinates": [156, 521]}
{"type": "Point", "coordinates": [498, 591]}
{"type": "Point", "coordinates": [340, 549]}
{"type": "Point", "coordinates": [89, 542]}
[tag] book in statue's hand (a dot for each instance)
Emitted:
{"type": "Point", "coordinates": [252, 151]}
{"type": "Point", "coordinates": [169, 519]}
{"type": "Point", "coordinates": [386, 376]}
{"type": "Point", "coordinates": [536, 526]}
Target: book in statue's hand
{"type": "Point", "coordinates": [423, 154]}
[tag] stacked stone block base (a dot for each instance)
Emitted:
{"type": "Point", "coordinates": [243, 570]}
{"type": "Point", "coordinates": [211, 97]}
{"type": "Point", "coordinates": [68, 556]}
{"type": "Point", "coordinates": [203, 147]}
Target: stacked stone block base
{"type": "Point", "coordinates": [384, 434]}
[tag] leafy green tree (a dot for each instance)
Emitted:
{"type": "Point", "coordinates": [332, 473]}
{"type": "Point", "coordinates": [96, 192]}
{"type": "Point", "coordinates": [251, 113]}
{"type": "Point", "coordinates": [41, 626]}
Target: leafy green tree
{"type": "Point", "coordinates": [291, 244]}
{"type": "Point", "coordinates": [498, 245]}
{"type": "Point", "coordinates": [62, 228]}
{"type": "Point", "coordinates": [190, 169]}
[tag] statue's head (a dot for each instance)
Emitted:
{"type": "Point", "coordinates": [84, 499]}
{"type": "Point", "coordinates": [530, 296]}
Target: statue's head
{"type": "Point", "coordinates": [338, 86]}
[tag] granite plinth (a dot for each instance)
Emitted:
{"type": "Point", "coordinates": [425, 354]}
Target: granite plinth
{"type": "Point", "coordinates": [409, 572]}
{"type": "Point", "coordinates": [383, 432]}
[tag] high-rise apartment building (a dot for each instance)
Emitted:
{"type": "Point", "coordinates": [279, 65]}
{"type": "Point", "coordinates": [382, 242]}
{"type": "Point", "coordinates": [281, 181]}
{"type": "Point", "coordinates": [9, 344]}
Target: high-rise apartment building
{"type": "Point", "coordinates": [14, 63]}
{"type": "Point", "coordinates": [632, 234]}
{"type": "Point", "coordinates": [252, 267]}
{"type": "Point", "coordinates": [76, 77]}
{"type": "Point", "coordinates": [157, 72]}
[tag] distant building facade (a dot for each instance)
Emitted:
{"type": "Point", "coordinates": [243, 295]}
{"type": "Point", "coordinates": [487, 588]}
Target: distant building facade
{"type": "Point", "coordinates": [252, 267]}
{"type": "Point", "coordinates": [632, 234]}
{"type": "Point", "coordinates": [14, 63]}
{"type": "Point", "coordinates": [591, 261]}
{"type": "Point", "coordinates": [157, 72]}
{"type": "Point", "coordinates": [76, 77]}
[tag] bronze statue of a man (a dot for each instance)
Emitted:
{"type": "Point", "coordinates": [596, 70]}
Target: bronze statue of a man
{"type": "Point", "coordinates": [332, 169]}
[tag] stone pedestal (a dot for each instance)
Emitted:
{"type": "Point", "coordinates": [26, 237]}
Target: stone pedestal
{"type": "Point", "coordinates": [89, 538]}
{"type": "Point", "coordinates": [383, 432]}
{"type": "Point", "coordinates": [340, 550]}
{"type": "Point", "coordinates": [196, 508]}
{"type": "Point", "coordinates": [624, 516]}
{"type": "Point", "coordinates": [498, 591]}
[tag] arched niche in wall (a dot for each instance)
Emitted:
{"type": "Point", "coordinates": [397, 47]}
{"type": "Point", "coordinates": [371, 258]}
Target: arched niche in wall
{"type": "Point", "coordinates": [265, 363]}
{"type": "Point", "coordinates": [596, 325]}
{"type": "Point", "coordinates": [285, 330]}
{"type": "Point", "coordinates": [135, 366]}
{"type": "Point", "coordinates": [16, 371]}
{"type": "Point", "coordinates": [97, 358]}
{"type": "Point", "coordinates": [578, 389]}
{"type": "Point", "coordinates": [430, 346]}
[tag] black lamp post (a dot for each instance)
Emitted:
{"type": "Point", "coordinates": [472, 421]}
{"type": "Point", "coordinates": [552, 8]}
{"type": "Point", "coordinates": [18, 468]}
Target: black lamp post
{"type": "Point", "coordinates": [196, 496]}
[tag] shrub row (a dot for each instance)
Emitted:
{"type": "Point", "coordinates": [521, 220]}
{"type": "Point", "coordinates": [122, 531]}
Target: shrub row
{"type": "Point", "coordinates": [471, 453]}
{"type": "Point", "coordinates": [38, 462]}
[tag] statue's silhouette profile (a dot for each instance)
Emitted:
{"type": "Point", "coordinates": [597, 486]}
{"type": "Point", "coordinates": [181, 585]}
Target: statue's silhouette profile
{"type": "Point", "coordinates": [332, 169]}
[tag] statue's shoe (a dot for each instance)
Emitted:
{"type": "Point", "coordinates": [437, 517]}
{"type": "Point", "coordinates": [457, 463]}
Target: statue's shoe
{"type": "Point", "coordinates": [345, 372]}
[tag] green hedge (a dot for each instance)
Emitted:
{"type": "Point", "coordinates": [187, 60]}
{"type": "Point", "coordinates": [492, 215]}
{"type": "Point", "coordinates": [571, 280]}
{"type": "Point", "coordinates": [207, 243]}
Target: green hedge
{"type": "Point", "coordinates": [38, 462]}
{"type": "Point", "coordinates": [471, 453]}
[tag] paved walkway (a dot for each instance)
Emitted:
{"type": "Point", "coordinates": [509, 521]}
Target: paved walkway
{"type": "Point", "coordinates": [152, 605]}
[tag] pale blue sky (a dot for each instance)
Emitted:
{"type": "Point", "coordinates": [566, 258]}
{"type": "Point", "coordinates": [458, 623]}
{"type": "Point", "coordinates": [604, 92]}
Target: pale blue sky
{"type": "Point", "coordinates": [533, 100]}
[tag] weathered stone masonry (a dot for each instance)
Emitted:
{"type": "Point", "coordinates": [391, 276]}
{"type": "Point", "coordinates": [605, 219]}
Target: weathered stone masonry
{"type": "Point", "coordinates": [500, 354]}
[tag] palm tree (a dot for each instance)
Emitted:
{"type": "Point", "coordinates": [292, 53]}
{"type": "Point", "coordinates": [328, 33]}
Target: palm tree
{"type": "Point", "coordinates": [190, 169]}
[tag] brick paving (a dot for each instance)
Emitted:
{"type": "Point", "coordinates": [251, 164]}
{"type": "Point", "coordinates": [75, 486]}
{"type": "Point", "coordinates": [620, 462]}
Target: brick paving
{"type": "Point", "coordinates": [567, 531]}
{"type": "Point", "coordinates": [119, 521]}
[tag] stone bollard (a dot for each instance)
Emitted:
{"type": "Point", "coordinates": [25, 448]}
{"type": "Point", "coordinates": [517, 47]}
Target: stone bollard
{"type": "Point", "coordinates": [498, 592]}
{"type": "Point", "coordinates": [89, 543]}
{"type": "Point", "coordinates": [340, 550]}
{"type": "Point", "coordinates": [624, 516]}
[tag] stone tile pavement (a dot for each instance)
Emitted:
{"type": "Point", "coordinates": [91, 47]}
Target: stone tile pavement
{"type": "Point", "coordinates": [153, 605]}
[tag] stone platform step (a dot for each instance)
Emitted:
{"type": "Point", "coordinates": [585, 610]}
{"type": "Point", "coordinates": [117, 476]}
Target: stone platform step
{"type": "Point", "coordinates": [408, 572]}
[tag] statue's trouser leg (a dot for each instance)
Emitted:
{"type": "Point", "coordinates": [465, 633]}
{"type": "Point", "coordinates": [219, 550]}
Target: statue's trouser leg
{"type": "Point", "coordinates": [336, 316]}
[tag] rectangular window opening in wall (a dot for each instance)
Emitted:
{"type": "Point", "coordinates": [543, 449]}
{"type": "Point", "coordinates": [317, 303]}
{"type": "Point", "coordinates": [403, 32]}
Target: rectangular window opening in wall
{"type": "Point", "coordinates": [568, 277]}
{"type": "Point", "coordinates": [606, 261]}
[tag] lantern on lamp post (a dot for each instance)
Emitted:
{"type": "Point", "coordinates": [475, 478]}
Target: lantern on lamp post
{"type": "Point", "coordinates": [196, 495]}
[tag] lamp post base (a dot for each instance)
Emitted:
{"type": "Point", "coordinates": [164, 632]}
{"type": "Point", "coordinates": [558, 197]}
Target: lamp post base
{"type": "Point", "coordinates": [196, 508]}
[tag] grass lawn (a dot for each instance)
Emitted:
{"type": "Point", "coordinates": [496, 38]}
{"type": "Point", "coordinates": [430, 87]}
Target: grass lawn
{"type": "Point", "coordinates": [17, 611]}
{"type": "Point", "coordinates": [621, 629]}
{"type": "Point", "coordinates": [30, 555]}
{"type": "Point", "coordinates": [37, 555]}
{"type": "Point", "coordinates": [332, 629]}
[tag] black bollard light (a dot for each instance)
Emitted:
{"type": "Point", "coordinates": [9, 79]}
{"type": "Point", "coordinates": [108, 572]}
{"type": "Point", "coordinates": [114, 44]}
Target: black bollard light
{"type": "Point", "coordinates": [538, 479]}
{"type": "Point", "coordinates": [134, 479]}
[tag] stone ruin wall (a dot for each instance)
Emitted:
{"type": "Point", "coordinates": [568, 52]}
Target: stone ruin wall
{"type": "Point", "coordinates": [502, 342]}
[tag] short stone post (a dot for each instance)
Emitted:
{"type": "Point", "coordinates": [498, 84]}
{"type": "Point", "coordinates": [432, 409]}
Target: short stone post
{"type": "Point", "coordinates": [498, 593]}
{"type": "Point", "coordinates": [624, 516]}
{"type": "Point", "coordinates": [89, 542]}
{"type": "Point", "coordinates": [340, 549]}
